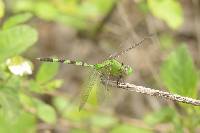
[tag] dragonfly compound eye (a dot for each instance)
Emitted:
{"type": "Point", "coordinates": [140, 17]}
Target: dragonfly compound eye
{"type": "Point", "coordinates": [128, 70]}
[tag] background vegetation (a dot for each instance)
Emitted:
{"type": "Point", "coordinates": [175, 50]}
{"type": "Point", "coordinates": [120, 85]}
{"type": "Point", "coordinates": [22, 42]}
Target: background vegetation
{"type": "Point", "coordinates": [43, 97]}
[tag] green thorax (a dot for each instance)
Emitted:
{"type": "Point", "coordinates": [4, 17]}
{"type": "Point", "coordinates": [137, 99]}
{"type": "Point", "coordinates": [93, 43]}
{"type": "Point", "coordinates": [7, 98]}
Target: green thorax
{"type": "Point", "coordinates": [114, 68]}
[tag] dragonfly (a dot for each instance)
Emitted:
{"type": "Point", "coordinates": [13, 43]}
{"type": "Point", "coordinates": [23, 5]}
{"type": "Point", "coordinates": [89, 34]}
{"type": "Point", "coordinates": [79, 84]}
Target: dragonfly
{"type": "Point", "coordinates": [101, 73]}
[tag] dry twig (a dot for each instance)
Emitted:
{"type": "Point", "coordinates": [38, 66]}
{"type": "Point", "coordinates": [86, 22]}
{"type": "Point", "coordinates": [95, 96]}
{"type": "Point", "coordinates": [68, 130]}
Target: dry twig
{"type": "Point", "coordinates": [158, 93]}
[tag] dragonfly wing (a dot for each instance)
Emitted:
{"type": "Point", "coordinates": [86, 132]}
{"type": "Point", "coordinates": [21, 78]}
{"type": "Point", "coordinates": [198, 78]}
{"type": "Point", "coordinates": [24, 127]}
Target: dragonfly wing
{"type": "Point", "coordinates": [101, 91]}
{"type": "Point", "coordinates": [89, 84]}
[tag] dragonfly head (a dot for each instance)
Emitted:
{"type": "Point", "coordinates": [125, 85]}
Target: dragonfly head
{"type": "Point", "coordinates": [128, 70]}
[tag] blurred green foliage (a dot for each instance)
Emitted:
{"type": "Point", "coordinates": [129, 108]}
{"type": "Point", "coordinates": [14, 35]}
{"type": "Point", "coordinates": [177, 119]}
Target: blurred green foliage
{"type": "Point", "coordinates": [181, 80]}
{"type": "Point", "coordinates": [82, 15]}
{"type": "Point", "coordinates": [126, 128]}
{"type": "Point", "coordinates": [164, 115]}
{"type": "Point", "coordinates": [15, 86]}
{"type": "Point", "coordinates": [46, 72]}
{"type": "Point", "coordinates": [17, 102]}
{"type": "Point", "coordinates": [20, 102]}
{"type": "Point", "coordinates": [1, 9]}
{"type": "Point", "coordinates": [168, 10]}
{"type": "Point", "coordinates": [45, 112]}
{"type": "Point", "coordinates": [16, 39]}
{"type": "Point", "coordinates": [180, 76]}
{"type": "Point", "coordinates": [17, 19]}
{"type": "Point", "coordinates": [24, 124]}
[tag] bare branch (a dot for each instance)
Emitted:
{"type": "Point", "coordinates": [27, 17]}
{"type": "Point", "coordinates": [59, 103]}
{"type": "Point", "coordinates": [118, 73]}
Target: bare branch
{"type": "Point", "coordinates": [158, 93]}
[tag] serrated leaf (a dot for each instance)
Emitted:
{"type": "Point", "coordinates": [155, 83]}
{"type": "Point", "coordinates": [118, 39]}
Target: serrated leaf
{"type": "Point", "coordinates": [163, 115]}
{"type": "Point", "coordinates": [17, 19]}
{"type": "Point", "coordinates": [16, 40]}
{"type": "Point", "coordinates": [2, 6]}
{"type": "Point", "coordinates": [179, 74]}
{"type": "Point", "coordinates": [168, 10]}
{"type": "Point", "coordinates": [125, 128]}
{"type": "Point", "coordinates": [45, 112]}
{"type": "Point", "coordinates": [46, 72]}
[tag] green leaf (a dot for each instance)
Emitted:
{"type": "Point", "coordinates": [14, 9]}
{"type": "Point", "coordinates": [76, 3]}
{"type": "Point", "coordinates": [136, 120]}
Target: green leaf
{"type": "Point", "coordinates": [45, 112]}
{"type": "Point", "coordinates": [42, 110]}
{"type": "Point", "coordinates": [45, 10]}
{"type": "Point", "coordinates": [53, 85]}
{"type": "Point", "coordinates": [16, 40]}
{"type": "Point", "coordinates": [125, 128]}
{"type": "Point", "coordinates": [35, 87]}
{"type": "Point", "coordinates": [2, 6]}
{"type": "Point", "coordinates": [27, 101]}
{"type": "Point", "coordinates": [103, 121]}
{"type": "Point", "coordinates": [60, 103]}
{"type": "Point", "coordinates": [9, 103]}
{"type": "Point", "coordinates": [46, 72]}
{"type": "Point", "coordinates": [26, 123]}
{"type": "Point", "coordinates": [47, 87]}
{"type": "Point", "coordinates": [73, 114]}
{"type": "Point", "coordinates": [83, 16]}
{"type": "Point", "coordinates": [178, 124]}
{"type": "Point", "coordinates": [179, 74]}
{"type": "Point", "coordinates": [104, 6]}
{"type": "Point", "coordinates": [168, 10]}
{"type": "Point", "coordinates": [163, 115]}
{"type": "Point", "coordinates": [23, 5]}
{"type": "Point", "coordinates": [17, 19]}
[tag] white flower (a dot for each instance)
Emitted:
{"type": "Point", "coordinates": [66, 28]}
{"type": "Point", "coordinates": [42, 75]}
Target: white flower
{"type": "Point", "coordinates": [19, 66]}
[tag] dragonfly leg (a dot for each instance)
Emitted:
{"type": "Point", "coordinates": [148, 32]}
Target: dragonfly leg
{"type": "Point", "coordinates": [120, 79]}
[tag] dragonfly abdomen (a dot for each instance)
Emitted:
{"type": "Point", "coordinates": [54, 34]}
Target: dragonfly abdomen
{"type": "Point", "coordinates": [66, 61]}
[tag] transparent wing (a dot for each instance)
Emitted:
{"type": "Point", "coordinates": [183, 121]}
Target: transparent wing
{"type": "Point", "coordinates": [103, 88]}
{"type": "Point", "coordinates": [88, 86]}
{"type": "Point", "coordinates": [103, 91]}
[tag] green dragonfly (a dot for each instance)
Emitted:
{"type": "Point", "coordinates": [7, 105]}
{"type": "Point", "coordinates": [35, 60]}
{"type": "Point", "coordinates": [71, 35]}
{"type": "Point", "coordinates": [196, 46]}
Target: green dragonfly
{"type": "Point", "coordinates": [109, 70]}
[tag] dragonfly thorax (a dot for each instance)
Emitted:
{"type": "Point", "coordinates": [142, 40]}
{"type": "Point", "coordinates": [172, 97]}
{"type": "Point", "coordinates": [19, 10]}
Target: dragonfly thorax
{"type": "Point", "coordinates": [113, 68]}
